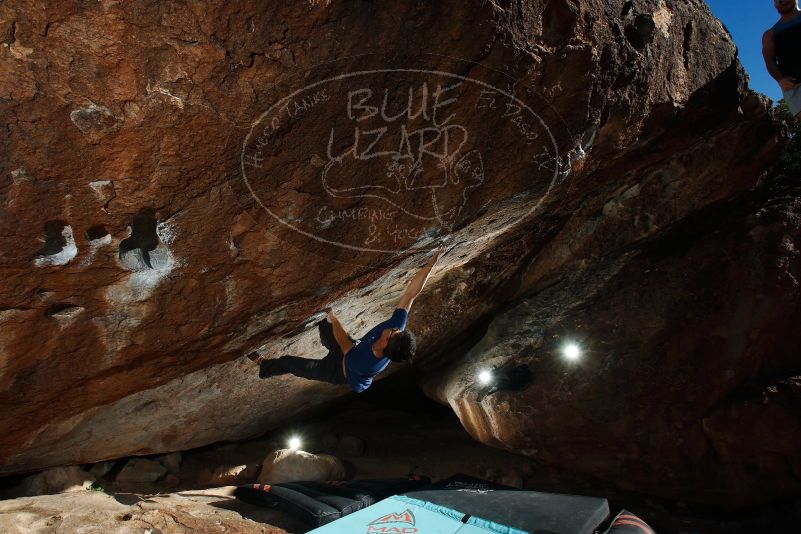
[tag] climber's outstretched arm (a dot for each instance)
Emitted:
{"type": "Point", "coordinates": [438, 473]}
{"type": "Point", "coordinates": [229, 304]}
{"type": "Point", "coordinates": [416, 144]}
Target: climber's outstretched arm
{"type": "Point", "coordinates": [418, 282]}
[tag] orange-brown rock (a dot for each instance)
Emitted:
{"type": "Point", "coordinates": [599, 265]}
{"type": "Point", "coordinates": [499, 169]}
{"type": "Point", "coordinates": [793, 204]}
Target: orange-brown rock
{"type": "Point", "coordinates": [214, 511]}
{"type": "Point", "coordinates": [184, 184]}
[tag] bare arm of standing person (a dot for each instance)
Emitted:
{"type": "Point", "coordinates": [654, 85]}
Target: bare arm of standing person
{"type": "Point", "coordinates": [769, 54]}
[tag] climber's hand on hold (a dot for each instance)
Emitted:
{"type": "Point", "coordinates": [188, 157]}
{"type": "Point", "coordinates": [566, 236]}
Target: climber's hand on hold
{"type": "Point", "coordinates": [438, 252]}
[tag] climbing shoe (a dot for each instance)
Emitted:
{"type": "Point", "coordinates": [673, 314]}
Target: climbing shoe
{"type": "Point", "coordinates": [268, 368]}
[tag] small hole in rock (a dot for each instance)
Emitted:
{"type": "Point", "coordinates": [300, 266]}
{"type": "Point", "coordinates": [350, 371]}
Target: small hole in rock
{"type": "Point", "coordinates": [97, 231]}
{"type": "Point", "coordinates": [641, 33]}
{"type": "Point", "coordinates": [59, 245]}
{"type": "Point", "coordinates": [62, 309]}
{"type": "Point", "coordinates": [54, 238]}
{"type": "Point", "coordinates": [143, 250]}
{"type": "Point", "coordinates": [54, 309]}
{"type": "Point", "coordinates": [515, 378]}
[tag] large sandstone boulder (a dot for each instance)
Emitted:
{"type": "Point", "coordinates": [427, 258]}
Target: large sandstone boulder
{"type": "Point", "coordinates": [688, 383]}
{"type": "Point", "coordinates": [181, 186]}
{"type": "Point", "coordinates": [101, 469]}
{"type": "Point", "coordinates": [141, 470]}
{"type": "Point", "coordinates": [287, 465]}
{"type": "Point", "coordinates": [56, 480]}
{"type": "Point", "coordinates": [171, 462]}
{"type": "Point", "coordinates": [229, 475]}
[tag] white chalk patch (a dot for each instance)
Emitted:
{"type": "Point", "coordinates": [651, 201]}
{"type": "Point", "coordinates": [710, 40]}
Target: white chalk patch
{"type": "Point", "coordinates": [177, 101]}
{"type": "Point", "coordinates": [141, 283]}
{"type": "Point", "coordinates": [84, 118]}
{"type": "Point", "coordinates": [232, 247]}
{"type": "Point", "coordinates": [19, 176]}
{"type": "Point", "coordinates": [62, 257]}
{"type": "Point", "coordinates": [100, 241]}
{"type": "Point", "coordinates": [231, 293]}
{"type": "Point", "coordinates": [166, 232]}
{"type": "Point", "coordinates": [94, 246]}
{"type": "Point", "coordinates": [68, 314]}
{"type": "Point", "coordinates": [98, 186]}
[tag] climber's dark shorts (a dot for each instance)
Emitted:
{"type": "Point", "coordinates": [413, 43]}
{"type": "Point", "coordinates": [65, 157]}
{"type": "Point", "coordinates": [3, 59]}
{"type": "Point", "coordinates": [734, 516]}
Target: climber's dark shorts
{"type": "Point", "coordinates": [328, 369]}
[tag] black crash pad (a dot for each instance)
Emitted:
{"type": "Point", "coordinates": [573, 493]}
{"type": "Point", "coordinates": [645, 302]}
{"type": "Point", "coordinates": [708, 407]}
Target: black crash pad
{"type": "Point", "coordinates": [319, 503]}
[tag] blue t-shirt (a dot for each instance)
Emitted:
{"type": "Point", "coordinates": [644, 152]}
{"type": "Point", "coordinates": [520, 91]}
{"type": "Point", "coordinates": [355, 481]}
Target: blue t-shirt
{"type": "Point", "coordinates": [361, 363]}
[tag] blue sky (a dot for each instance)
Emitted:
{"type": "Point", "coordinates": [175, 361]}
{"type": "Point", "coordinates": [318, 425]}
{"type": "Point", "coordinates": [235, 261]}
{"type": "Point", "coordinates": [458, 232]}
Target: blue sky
{"type": "Point", "coordinates": [746, 21]}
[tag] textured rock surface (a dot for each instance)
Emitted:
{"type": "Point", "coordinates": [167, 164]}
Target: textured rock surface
{"type": "Point", "coordinates": [101, 469]}
{"type": "Point", "coordinates": [137, 270]}
{"type": "Point", "coordinates": [95, 512]}
{"type": "Point", "coordinates": [227, 475]}
{"type": "Point", "coordinates": [55, 480]}
{"type": "Point", "coordinates": [285, 465]}
{"type": "Point", "coordinates": [171, 462]}
{"type": "Point", "coordinates": [688, 385]}
{"type": "Point", "coordinates": [139, 266]}
{"type": "Point", "coordinates": [141, 470]}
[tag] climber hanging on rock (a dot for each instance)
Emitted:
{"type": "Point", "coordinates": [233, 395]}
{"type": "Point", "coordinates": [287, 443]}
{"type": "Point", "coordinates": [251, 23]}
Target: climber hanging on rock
{"type": "Point", "coordinates": [781, 48]}
{"type": "Point", "coordinates": [351, 361]}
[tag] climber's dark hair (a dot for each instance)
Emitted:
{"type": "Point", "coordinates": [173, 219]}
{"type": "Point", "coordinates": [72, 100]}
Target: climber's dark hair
{"type": "Point", "coordinates": [401, 347]}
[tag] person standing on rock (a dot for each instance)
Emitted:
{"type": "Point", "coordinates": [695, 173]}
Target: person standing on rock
{"type": "Point", "coordinates": [356, 362]}
{"type": "Point", "coordinates": [781, 48]}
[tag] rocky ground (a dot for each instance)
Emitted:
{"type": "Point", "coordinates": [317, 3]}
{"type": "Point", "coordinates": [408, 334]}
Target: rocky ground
{"type": "Point", "coordinates": [374, 441]}
{"type": "Point", "coordinates": [213, 510]}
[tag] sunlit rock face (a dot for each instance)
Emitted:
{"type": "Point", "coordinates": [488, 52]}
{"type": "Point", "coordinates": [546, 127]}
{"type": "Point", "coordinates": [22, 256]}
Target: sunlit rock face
{"type": "Point", "coordinates": [182, 185]}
